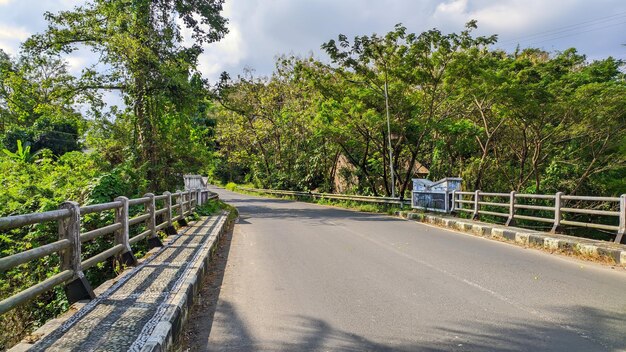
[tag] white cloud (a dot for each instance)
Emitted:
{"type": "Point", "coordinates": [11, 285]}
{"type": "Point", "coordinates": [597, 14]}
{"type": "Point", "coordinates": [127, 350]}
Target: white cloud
{"type": "Point", "coordinates": [11, 37]}
{"type": "Point", "coordinates": [454, 7]}
{"type": "Point", "coordinates": [228, 52]}
{"type": "Point", "coordinates": [262, 29]}
{"type": "Point", "coordinates": [75, 64]}
{"type": "Point", "coordinates": [504, 15]}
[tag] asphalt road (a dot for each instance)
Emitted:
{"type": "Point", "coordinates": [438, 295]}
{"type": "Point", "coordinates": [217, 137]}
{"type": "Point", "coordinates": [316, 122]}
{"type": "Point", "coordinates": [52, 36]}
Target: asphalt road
{"type": "Point", "coordinates": [303, 277]}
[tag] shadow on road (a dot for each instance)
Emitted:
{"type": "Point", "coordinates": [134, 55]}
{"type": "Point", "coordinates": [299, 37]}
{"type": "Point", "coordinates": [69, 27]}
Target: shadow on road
{"type": "Point", "coordinates": [286, 209]}
{"type": "Point", "coordinates": [312, 334]}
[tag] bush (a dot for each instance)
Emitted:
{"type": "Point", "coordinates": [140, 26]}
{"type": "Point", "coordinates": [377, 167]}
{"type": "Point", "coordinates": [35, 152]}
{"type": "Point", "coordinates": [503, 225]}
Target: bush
{"type": "Point", "coordinates": [58, 136]}
{"type": "Point", "coordinates": [213, 206]}
{"type": "Point", "coordinates": [231, 186]}
{"type": "Point", "coordinates": [209, 208]}
{"type": "Point", "coordinates": [34, 187]}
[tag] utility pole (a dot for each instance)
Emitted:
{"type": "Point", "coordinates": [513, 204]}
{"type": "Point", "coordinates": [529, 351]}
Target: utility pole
{"type": "Point", "coordinates": [393, 181]}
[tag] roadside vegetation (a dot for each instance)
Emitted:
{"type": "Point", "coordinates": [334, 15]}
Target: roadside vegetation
{"type": "Point", "coordinates": [214, 207]}
{"type": "Point", "coordinates": [59, 141]}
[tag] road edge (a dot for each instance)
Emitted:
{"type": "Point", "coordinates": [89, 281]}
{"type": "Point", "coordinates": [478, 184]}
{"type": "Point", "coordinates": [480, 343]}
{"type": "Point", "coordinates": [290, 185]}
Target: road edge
{"type": "Point", "coordinates": [578, 247]}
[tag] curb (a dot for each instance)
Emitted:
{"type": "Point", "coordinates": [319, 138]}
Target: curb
{"type": "Point", "coordinates": [580, 247]}
{"type": "Point", "coordinates": [168, 329]}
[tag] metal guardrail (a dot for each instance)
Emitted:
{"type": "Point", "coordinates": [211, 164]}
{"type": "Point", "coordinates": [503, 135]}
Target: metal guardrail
{"type": "Point", "coordinates": [69, 245]}
{"type": "Point", "coordinates": [367, 199]}
{"type": "Point", "coordinates": [554, 203]}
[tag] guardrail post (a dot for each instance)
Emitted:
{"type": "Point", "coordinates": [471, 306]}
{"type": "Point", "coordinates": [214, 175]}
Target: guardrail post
{"type": "Point", "coordinates": [557, 213]}
{"type": "Point", "coordinates": [169, 229]}
{"type": "Point", "coordinates": [69, 228]}
{"type": "Point", "coordinates": [181, 203]}
{"type": "Point", "coordinates": [453, 205]}
{"type": "Point", "coordinates": [622, 219]}
{"type": "Point", "coordinates": [153, 238]}
{"type": "Point", "coordinates": [475, 215]}
{"type": "Point", "coordinates": [511, 219]}
{"type": "Point", "coordinates": [198, 197]}
{"type": "Point", "coordinates": [121, 236]}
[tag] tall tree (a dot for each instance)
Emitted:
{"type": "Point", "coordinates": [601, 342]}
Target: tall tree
{"type": "Point", "coordinates": [144, 55]}
{"type": "Point", "coordinates": [416, 72]}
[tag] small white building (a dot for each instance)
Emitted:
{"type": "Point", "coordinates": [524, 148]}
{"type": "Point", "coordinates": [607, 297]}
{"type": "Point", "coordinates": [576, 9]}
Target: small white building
{"type": "Point", "coordinates": [434, 195]}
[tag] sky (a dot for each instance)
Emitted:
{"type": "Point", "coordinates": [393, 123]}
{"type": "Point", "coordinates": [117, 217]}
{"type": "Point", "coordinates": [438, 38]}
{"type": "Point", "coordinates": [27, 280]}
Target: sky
{"type": "Point", "coordinates": [260, 30]}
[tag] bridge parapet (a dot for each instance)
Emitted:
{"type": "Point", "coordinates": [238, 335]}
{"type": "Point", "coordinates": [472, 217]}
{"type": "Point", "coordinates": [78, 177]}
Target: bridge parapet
{"type": "Point", "coordinates": [157, 213]}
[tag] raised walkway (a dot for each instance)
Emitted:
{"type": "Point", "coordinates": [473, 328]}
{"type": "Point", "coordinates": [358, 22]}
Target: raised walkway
{"type": "Point", "coordinates": [144, 308]}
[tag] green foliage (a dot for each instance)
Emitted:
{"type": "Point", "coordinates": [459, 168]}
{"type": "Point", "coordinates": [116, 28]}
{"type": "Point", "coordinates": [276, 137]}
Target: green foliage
{"type": "Point", "coordinates": [231, 186]}
{"type": "Point", "coordinates": [167, 122]}
{"type": "Point", "coordinates": [21, 154]}
{"type": "Point", "coordinates": [59, 137]}
{"type": "Point", "coordinates": [528, 121]}
{"type": "Point", "coordinates": [53, 153]}
{"type": "Point", "coordinates": [209, 208]}
{"type": "Point", "coordinates": [35, 187]}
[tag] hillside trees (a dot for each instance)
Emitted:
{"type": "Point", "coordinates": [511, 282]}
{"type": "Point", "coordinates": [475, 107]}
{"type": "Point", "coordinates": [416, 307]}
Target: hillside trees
{"type": "Point", "coordinates": [270, 125]}
{"type": "Point", "coordinates": [418, 72]}
{"type": "Point", "coordinates": [37, 104]}
{"type": "Point", "coordinates": [529, 121]}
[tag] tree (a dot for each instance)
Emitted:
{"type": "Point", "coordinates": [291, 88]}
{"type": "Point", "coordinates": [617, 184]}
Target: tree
{"type": "Point", "coordinates": [417, 71]}
{"type": "Point", "coordinates": [270, 125]}
{"type": "Point", "coordinates": [144, 56]}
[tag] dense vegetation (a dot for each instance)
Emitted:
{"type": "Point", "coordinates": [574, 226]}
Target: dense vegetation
{"type": "Point", "coordinates": [61, 143]}
{"type": "Point", "coordinates": [529, 121]}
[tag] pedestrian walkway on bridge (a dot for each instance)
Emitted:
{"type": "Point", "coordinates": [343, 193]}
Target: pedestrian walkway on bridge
{"type": "Point", "coordinates": [134, 312]}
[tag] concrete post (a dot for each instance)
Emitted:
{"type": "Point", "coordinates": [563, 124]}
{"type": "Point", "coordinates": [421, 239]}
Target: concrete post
{"type": "Point", "coordinates": [511, 219]}
{"type": "Point", "coordinates": [153, 238]}
{"type": "Point", "coordinates": [475, 215]}
{"type": "Point", "coordinates": [557, 213]}
{"type": "Point", "coordinates": [69, 229]}
{"type": "Point", "coordinates": [453, 205]}
{"type": "Point", "coordinates": [181, 201]}
{"type": "Point", "coordinates": [619, 238]}
{"type": "Point", "coordinates": [122, 235]}
{"type": "Point", "coordinates": [168, 206]}
{"type": "Point", "coordinates": [169, 229]}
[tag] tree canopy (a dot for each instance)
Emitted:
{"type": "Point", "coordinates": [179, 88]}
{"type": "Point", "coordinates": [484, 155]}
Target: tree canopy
{"type": "Point", "coordinates": [529, 121]}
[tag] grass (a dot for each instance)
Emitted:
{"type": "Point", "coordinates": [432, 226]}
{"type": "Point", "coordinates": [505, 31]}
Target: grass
{"type": "Point", "coordinates": [213, 207]}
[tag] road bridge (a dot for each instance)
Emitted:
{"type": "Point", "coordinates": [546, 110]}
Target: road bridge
{"type": "Point", "coordinates": [304, 277]}
{"type": "Point", "coordinates": [296, 276]}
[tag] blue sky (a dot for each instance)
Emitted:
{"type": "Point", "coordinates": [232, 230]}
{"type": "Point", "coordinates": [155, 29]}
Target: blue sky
{"type": "Point", "coordinates": [262, 29]}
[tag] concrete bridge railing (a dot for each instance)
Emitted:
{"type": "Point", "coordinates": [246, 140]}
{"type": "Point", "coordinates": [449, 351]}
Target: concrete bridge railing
{"type": "Point", "coordinates": [511, 205]}
{"type": "Point", "coordinates": [158, 214]}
